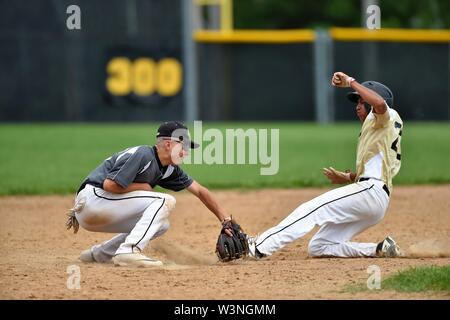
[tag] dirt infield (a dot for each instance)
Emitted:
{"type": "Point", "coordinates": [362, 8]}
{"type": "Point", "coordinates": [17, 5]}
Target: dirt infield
{"type": "Point", "coordinates": [36, 251]}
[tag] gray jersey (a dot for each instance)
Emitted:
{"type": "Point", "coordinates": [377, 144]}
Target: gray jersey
{"type": "Point", "coordinates": [138, 164]}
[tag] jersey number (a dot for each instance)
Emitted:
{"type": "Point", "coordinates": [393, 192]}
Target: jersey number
{"type": "Point", "coordinates": [394, 145]}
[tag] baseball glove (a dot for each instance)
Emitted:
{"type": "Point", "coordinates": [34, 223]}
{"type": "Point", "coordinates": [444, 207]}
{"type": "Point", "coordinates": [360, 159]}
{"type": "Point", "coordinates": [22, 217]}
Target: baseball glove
{"type": "Point", "coordinates": [231, 247]}
{"type": "Point", "coordinates": [72, 221]}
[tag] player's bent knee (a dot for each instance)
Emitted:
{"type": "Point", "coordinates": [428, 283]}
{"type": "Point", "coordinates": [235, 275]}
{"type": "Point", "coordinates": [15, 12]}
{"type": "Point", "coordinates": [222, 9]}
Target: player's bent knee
{"type": "Point", "coordinates": [315, 249]}
{"type": "Point", "coordinates": [170, 202]}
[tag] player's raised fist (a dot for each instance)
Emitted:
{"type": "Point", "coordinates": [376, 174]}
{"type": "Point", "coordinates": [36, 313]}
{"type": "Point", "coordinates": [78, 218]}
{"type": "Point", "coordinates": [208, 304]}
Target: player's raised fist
{"type": "Point", "coordinates": [341, 80]}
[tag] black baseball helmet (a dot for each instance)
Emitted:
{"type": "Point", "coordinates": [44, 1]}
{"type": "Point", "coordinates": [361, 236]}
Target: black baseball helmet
{"type": "Point", "coordinates": [379, 88]}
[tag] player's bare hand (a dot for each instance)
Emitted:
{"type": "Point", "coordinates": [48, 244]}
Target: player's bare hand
{"type": "Point", "coordinates": [337, 177]}
{"type": "Point", "coordinates": [227, 226]}
{"type": "Point", "coordinates": [341, 80]}
{"type": "Point", "coordinates": [228, 232]}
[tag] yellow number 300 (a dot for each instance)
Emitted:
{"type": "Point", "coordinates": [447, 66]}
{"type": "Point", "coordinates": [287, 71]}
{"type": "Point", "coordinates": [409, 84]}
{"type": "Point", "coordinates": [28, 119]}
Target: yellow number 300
{"type": "Point", "coordinates": [144, 76]}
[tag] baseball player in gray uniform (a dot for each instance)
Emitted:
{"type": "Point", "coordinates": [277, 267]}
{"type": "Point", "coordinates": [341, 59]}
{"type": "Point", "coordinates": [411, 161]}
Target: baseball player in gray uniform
{"type": "Point", "coordinates": [345, 212]}
{"type": "Point", "coordinates": [118, 197]}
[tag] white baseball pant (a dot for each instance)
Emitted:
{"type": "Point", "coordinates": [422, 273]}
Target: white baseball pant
{"type": "Point", "coordinates": [341, 213]}
{"type": "Point", "coordinates": [137, 216]}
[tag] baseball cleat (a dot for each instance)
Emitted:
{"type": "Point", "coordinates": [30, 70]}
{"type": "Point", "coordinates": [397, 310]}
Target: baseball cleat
{"type": "Point", "coordinates": [87, 256]}
{"type": "Point", "coordinates": [135, 260]}
{"type": "Point", "coordinates": [388, 248]}
{"type": "Point", "coordinates": [252, 250]}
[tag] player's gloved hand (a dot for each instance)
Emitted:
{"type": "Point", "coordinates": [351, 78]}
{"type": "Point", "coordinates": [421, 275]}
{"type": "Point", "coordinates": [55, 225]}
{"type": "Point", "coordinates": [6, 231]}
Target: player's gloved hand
{"type": "Point", "coordinates": [341, 80]}
{"type": "Point", "coordinates": [337, 177]}
{"type": "Point", "coordinates": [232, 241]}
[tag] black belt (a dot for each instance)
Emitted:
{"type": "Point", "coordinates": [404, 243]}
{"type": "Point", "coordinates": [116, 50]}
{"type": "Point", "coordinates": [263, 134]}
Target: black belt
{"type": "Point", "coordinates": [385, 188]}
{"type": "Point", "coordinates": [83, 185]}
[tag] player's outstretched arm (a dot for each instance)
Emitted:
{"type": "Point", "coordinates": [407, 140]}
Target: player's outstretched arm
{"type": "Point", "coordinates": [208, 200]}
{"type": "Point", "coordinates": [342, 80]}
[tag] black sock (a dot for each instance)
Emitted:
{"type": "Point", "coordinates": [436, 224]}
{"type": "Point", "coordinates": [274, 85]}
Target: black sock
{"type": "Point", "coordinates": [259, 254]}
{"type": "Point", "coordinates": [379, 246]}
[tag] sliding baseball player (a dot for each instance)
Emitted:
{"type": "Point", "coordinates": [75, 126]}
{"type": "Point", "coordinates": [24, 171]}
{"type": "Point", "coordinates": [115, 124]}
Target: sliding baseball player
{"type": "Point", "coordinates": [349, 210]}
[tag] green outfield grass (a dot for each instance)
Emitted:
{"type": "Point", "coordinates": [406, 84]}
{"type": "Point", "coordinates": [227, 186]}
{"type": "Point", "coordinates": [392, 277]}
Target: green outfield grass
{"type": "Point", "coordinates": [420, 279]}
{"type": "Point", "coordinates": [413, 279]}
{"type": "Point", "coordinates": [55, 158]}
